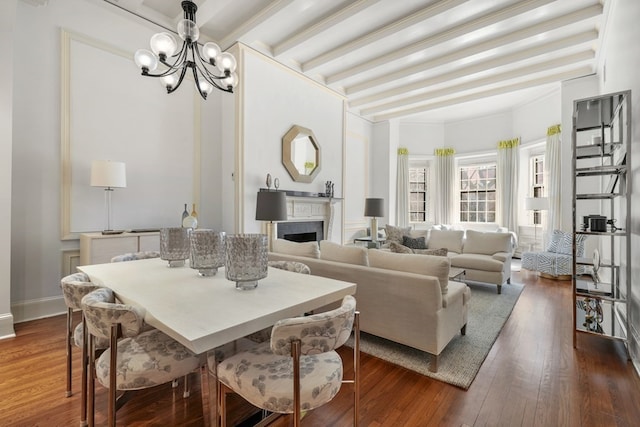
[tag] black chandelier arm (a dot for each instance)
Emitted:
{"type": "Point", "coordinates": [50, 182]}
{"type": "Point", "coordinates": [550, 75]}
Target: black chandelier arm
{"type": "Point", "coordinates": [203, 68]}
{"type": "Point", "coordinates": [177, 85]}
{"type": "Point", "coordinates": [195, 77]}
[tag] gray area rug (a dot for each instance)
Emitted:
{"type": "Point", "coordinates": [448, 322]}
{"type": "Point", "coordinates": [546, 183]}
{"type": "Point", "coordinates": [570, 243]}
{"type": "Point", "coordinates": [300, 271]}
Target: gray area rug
{"type": "Point", "coordinates": [460, 361]}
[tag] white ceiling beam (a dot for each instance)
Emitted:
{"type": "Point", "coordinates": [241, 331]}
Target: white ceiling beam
{"type": "Point", "coordinates": [382, 32]}
{"type": "Point", "coordinates": [463, 29]}
{"type": "Point", "coordinates": [555, 78]}
{"type": "Point", "coordinates": [257, 19]}
{"type": "Point", "coordinates": [447, 75]}
{"type": "Point", "coordinates": [519, 72]}
{"type": "Point", "coordinates": [322, 25]}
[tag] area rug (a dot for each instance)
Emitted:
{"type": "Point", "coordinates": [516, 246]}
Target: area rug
{"type": "Point", "coordinates": [460, 361]}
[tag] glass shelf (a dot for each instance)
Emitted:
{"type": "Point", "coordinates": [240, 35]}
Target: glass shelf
{"type": "Point", "coordinates": [601, 317]}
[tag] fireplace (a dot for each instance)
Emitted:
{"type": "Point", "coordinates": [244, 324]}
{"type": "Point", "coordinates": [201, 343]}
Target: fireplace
{"type": "Point", "coordinates": [301, 231]}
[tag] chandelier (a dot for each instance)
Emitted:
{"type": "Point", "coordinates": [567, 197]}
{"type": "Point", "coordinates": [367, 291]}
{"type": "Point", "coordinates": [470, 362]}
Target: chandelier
{"type": "Point", "coordinates": [164, 49]}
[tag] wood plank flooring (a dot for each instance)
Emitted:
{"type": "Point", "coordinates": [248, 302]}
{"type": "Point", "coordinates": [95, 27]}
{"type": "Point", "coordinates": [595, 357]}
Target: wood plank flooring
{"type": "Point", "coordinates": [532, 377]}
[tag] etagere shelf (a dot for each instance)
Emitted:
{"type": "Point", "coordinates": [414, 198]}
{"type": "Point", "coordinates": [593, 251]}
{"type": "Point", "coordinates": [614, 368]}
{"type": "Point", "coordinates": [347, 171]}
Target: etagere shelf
{"type": "Point", "coordinates": [601, 215]}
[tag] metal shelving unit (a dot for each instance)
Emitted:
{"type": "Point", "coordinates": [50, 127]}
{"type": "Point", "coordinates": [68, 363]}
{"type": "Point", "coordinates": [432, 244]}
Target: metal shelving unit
{"type": "Point", "coordinates": [601, 140]}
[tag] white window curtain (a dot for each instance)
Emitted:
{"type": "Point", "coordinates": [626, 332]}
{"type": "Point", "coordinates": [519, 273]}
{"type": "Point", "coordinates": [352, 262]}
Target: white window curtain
{"type": "Point", "coordinates": [507, 183]}
{"type": "Point", "coordinates": [402, 193]}
{"type": "Point", "coordinates": [552, 172]}
{"type": "Point", "coordinates": [444, 185]}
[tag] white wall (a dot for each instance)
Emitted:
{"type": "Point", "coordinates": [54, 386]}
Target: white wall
{"type": "Point", "coordinates": [531, 121]}
{"type": "Point", "coordinates": [7, 26]}
{"type": "Point", "coordinates": [37, 251]}
{"type": "Point", "coordinates": [619, 71]}
{"type": "Point", "coordinates": [421, 138]}
{"type": "Point", "coordinates": [274, 99]}
{"type": "Point", "coordinates": [479, 134]}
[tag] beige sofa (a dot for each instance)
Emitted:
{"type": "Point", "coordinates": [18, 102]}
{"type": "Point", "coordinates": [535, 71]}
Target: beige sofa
{"type": "Point", "coordinates": [485, 256]}
{"type": "Point", "coordinates": [404, 298]}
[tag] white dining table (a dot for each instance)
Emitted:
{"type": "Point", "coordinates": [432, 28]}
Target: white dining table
{"type": "Point", "coordinates": [203, 313]}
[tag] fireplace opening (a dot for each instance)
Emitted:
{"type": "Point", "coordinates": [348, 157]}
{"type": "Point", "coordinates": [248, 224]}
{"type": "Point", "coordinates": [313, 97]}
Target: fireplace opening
{"type": "Point", "coordinates": [301, 231]}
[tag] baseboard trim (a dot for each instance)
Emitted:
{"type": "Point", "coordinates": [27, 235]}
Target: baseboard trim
{"type": "Point", "coordinates": [6, 326]}
{"type": "Point", "coordinates": [38, 309]}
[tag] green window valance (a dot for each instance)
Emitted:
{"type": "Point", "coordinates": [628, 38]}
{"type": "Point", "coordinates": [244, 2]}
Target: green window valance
{"type": "Point", "coordinates": [403, 151]}
{"type": "Point", "coordinates": [553, 130]}
{"type": "Point", "coordinates": [509, 143]}
{"type": "Point", "coordinates": [444, 152]}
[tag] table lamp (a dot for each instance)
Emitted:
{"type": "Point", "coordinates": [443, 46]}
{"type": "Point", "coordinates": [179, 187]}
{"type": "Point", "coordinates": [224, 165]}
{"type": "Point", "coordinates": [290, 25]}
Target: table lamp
{"type": "Point", "coordinates": [374, 208]}
{"type": "Point", "coordinates": [110, 175]}
{"type": "Point", "coordinates": [271, 206]}
{"type": "Point", "coordinates": [536, 204]}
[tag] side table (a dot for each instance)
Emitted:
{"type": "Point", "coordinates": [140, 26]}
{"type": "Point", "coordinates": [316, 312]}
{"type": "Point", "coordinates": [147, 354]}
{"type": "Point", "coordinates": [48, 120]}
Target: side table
{"type": "Point", "coordinates": [368, 242]}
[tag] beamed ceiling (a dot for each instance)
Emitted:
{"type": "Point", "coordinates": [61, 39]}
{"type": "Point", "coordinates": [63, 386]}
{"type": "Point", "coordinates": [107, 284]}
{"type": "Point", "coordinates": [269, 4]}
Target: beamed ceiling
{"type": "Point", "coordinates": [414, 60]}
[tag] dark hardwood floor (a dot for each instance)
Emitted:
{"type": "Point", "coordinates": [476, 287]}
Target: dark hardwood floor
{"type": "Point", "coordinates": [532, 377]}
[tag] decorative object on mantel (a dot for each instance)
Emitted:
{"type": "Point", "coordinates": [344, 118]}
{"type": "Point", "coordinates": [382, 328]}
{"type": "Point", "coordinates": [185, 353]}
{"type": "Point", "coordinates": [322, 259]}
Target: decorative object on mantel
{"type": "Point", "coordinates": [271, 206]}
{"type": "Point", "coordinates": [246, 259]}
{"type": "Point", "coordinates": [174, 245]}
{"type": "Point", "coordinates": [164, 46]}
{"type": "Point", "coordinates": [374, 208]}
{"type": "Point", "coordinates": [110, 175]}
{"type": "Point", "coordinates": [185, 214]}
{"type": "Point", "coordinates": [191, 220]}
{"type": "Point", "coordinates": [328, 188]}
{"type": "Point", "coordinates": [207, 251]}
{"type": "Point", "coordinates": [268, 181]}
{"type": "Point", "coordinates": [276, 184]}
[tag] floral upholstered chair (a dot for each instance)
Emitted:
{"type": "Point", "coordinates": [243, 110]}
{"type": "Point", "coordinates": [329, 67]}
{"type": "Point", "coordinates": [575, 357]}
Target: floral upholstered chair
{"type": "Point", "coordinates": [132, 256]}
{"type": "Point", "coordinates": [299, 369]}
{"type": "Point", "coordinates": [74, 288]}
{"type": "Point", "coordinates": [140, 359]}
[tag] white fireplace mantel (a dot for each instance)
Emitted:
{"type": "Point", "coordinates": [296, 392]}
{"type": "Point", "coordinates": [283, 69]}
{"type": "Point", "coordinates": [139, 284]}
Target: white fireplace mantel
{"type": "Point", "coordinates": [312, 209]}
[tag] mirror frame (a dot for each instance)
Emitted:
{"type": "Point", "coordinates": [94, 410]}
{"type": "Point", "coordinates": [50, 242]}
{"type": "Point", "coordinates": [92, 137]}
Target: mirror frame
{"type": "Point", "coordinates": [287, 149]}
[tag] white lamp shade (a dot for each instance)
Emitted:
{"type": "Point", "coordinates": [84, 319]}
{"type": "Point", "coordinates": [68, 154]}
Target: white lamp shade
{"type": "Point", "coordinates": [105, 173]}
{"type": "Point", "coordinates": [536, 203]}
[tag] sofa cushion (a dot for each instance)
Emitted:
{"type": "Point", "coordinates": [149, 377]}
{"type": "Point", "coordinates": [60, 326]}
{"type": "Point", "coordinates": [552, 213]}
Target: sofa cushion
{"type": "Point", "coordinates": [305, 249]}
{"type": "Point", "coordinates": [414, 243]}
{"type": "Point", "coordinates": [554, 241]}
{"type": "Point", "coordinates": [330, 251]}
{"type": "Point", "coordinates": [477, 262]}
{"type": "Point", "coordinates": [394, 234]}
{"type": "Point", "coordinates": [486, 243]}
{"type": "Point", "coordinates": [436, 266]}
{"type": "Point", "coordinates": [450, 239]}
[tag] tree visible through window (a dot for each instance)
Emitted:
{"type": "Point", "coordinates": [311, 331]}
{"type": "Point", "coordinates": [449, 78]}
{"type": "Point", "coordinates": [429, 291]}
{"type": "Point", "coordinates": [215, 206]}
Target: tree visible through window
{"type": "Point", "coordinates": [418, 200]}
{"type": "Point", "coordinates": [478, 193]}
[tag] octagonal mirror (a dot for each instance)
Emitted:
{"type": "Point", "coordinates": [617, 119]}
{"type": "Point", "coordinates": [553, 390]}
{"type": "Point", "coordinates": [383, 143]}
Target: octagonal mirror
{"type": "Point", "coordinates": [301, 154]}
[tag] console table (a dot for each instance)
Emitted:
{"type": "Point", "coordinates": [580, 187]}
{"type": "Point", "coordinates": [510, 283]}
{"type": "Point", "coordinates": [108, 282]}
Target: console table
{"type": "Point", "coordinates": [96, 248]}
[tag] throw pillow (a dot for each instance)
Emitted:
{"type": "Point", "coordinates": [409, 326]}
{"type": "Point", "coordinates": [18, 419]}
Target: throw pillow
{"type": "Point", "coordinates": [414, 243]}
{"type": "Point", "coordinates": [400, 249]}
{"type": "Point", "coordinates": [394, 234]}
{"type": "Point", "coordinates": [305, 249]}
{"type": "Point", "coordinates": [435, 252]}
{"type": "Point", "coordinates": [556, 236]}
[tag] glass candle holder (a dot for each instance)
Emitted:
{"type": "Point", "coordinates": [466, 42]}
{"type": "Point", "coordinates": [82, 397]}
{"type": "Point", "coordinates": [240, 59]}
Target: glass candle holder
{"type": "Point", "coordinates": [246, 259]}
{"type": "Point", "coordinates": [207, 251]}
{"type": "Point", "coordinates": [174, 245]}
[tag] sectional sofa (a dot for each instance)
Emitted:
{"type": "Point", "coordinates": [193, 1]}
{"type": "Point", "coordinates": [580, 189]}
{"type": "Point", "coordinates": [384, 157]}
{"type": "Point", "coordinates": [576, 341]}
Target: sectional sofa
{"type": "Point", "coordinates": [485, 256]}
{"type": "Point", "coordinates": [406, 298]}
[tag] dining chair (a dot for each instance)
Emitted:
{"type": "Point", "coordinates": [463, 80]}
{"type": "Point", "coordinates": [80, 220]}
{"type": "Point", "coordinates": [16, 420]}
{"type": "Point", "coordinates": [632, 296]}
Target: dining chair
{"type": "Point", "coordinates": [298, 369]}
{"type": "Point", "coordinates": [132, 256]}
{"type": "Point", "coordinates": [74, 288]}
{"type": "Point", "coordinates": [140, 359]}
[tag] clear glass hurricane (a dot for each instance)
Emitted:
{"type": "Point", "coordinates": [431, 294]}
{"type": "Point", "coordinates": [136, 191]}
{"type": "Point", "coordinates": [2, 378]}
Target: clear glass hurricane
{"type": "Point", "coordinates": [174, 245]}
{"type": "Point", "coordinates": [246, 259]}
{"type": "Point", "coordinates": [207, 251]}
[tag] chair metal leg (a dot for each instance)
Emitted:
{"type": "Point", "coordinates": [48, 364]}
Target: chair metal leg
{"type": "Point", "coordinates": [85, 361]}
{"type": "Point", "coordinates": [69, 336]}
{"type": "Point", "coordinates": [186, 392]}
{"type": "Point", "coordinates": [356, 370]}
{"type": "Point", "coordinates": [113, 366]}
{"type": "Point", "coordinates": [91, 385]}
{"type": "Point", "coordinates": [295, 354]}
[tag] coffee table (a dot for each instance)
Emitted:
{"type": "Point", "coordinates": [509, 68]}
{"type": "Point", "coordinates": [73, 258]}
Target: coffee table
{"type": "Point", "coordinates": [457, 274]}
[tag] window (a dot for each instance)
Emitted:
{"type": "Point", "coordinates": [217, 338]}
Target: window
{"type": "Point", "coordinates": [478, 193]}
{"type": "Point", "coordinates": [537, 183]}
{"type": "Point", "coordinates": [418, 197]}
